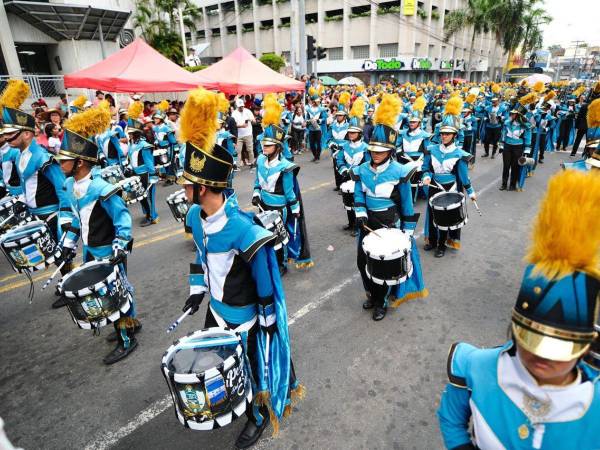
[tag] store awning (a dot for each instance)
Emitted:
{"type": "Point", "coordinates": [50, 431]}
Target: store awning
{"type": "Point", "coordinates": [66, 22]}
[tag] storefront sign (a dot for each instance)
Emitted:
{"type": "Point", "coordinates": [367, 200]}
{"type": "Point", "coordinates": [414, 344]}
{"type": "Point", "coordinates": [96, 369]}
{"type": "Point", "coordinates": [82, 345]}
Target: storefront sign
{"type": "Point", "coordinates": [383, 64]}
{"type": "Point", "coordinates": [421, 64]}
{"type": "Point", "coordinates": [449, 64]}
{"type": "Point", "coordinates": [409, 8]}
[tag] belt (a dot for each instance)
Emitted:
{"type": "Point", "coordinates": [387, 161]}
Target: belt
{"type": "Point", "coordinates": [244, 316]}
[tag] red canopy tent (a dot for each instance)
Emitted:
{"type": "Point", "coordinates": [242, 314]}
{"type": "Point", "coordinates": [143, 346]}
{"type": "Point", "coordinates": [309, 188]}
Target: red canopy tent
{"type": "Point", "coordinates": [241, 73]}
{"type": "Point", "coordinates": [135, 68]}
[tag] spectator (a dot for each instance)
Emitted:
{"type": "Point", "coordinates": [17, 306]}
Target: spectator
{"type": "Point", "coordinates": [62, 104]}
{"type": "Point", "coordinates": [99, 97]}
{"type": "Point", "coordinates": [298, 130]}
{"type": "Point", "coordinates": [244, 120]}
{"type": "Point", "coordinates": [123, 118]}
{"type": "Point", "coordinates": [256, 128]}
{"type": "Point", "coordinates": [53, 132]}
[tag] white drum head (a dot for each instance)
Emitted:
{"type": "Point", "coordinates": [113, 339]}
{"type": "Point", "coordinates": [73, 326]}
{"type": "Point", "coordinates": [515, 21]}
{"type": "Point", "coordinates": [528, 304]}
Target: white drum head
{"type": "Point", "coordinates": [386, 243]}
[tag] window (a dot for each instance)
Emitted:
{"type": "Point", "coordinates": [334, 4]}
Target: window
{"type": "Point", "coordinates": [246, 27]}
{"type": "Point", "coordinates": [212, 10]}
{"type": "Point", "coordinates": [388, 50]}
{"type": "Point", "coordinates": [311, 18]}
{"type": "Point", "coordinates": [336, 53]}
{"type": "Point", "coordinates": [285, 20]}
{"type": "Point", "coordinates": [231, 29]}
{"type": "Point", "coordinates": [216, 31]}
{"type": "Point", "coordinates": [360, 52]}
{"type": "Point", "coordinates": [431, 51]}
{"type": "Point", "coordinates": [360, 11]}
{"type": "Point", "coordinates": [334, 13]}
{"type": "Point", "coordinates": [417, 48]}
{"type": "Point", "coordinates": [200, 34]}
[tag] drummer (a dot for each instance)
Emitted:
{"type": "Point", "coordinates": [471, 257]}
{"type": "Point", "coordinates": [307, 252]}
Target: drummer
{"type": "Point", "coordinates": [101, 218]}
{"type": "Point", "coordinates": [445, 169]}
{"type": "Point", "coordinates": [275, 188]}
{"type": "Point", "coordinates": [142, 161]}
{"type": "Point", "coordinates": [10, 175]}
{"type": "Point", "coordinates": [382, 199]}
{"type": "Point", "coordinates": [353, 154]}
{"type": "Point", "coordinates": [236, 267]}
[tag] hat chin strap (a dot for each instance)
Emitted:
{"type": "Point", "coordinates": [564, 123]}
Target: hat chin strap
{"type": "Point", "coordinates": [15, 136]}
{"type": "Point", "coordinates": [196, 194]}
{"type": "Point", "coordinates": [73, 171]}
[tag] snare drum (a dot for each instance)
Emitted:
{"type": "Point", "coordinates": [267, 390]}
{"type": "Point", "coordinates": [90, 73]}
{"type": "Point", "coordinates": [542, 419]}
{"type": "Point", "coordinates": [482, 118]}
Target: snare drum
{"type": "Point", "coordinates": [347, 188]}
{"type": "Point", "coordinates": [388, 256]}
{"type": "Point", "coordinates": [448, 210]}
{"type": "Point", "coordinates": [206, 375]}
{"type": "Point", "coordinates": [112, 174]}
{"type": "Point", "coordinates": [13, 213]}
{"type": "Point", "coordinates": [96, 293]}
{"type": "Point", "coordinates": [132, 190]}
{"type": "Point", "coordinates": [178, 205]}
{"type": "Point", "coordinates": [271, 220]}
{"type": "Point", "coordinates": [30, 247]}
{"type": "Point", "coordinates": [161, 157]}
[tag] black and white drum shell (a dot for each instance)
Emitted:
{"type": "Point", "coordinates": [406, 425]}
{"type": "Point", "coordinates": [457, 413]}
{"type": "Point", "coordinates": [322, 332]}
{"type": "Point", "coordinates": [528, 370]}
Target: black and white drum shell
{"type": "Point", "coordinates": [132, 190]}
{"type": "Point", "coordinates": [112, 174]}
{"type": "Point", "coordinates": [271, 220]}
{"type": "Point", "coordinates": [30, 247]}
{"type": "Point", "coordinates": [347, 189]}
{"type": "Point", "coordinates": [9, 218]}
{"type": "Point", "coordinates": [388, 256]}
{"type": "Point", "coordinates": [161, 157]}
{"type": "Point", "coordinates": [178, 205]}
{"type": "Point", "coordinates": [96, 294]}
{"type": "Point", "coordinates": [226, 381]}
{"type": "Point", "coordinates": [449, 210]}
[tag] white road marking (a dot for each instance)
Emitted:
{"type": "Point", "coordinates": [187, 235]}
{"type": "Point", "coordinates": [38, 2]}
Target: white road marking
{"type": "Point", "coordinates": [108, 439]}
{"type": "Point", "coordinates": [489, 186]}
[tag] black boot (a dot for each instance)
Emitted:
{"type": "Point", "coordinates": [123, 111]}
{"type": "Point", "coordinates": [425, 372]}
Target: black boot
{"type": "Point", "coordinates": [428, 247]}
{"type": "Point", "coordinates": [60, 302]}
{"type": "Point", "coordinates": [503, 187]}
{"type": "Point", "coordinates": [251, 434]}
{"type": "Point", "coordinates": [282, 270]}
{"type": "Point", "coordinates": [368, 304]}
{"type": "Point", "coordinates": [120, 352]}
{"type": "Point", "coordinates": [379, 313]}
{"type": "Point", "coordinates": [124, 325]}
{"type": "Point", "coordinates": [440, 252]}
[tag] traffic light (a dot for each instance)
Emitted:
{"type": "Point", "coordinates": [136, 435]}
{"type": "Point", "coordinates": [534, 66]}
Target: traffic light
{"type": "Point", "coordinates": [321, 53]}
{"type": "Point", "coordinates": [310, 47]}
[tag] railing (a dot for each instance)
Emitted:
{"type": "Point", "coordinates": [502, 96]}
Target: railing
{"type": "Point", "coordinates": [42, 86]}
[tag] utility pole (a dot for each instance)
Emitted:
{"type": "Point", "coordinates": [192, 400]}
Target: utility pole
{"type": "Point", "coordinates": [577, 61]}
{"type": "Point", "coordinates": [182, 30]}
{"type": "Point", "coordinates": [293, 34]}
{"type": "Point", "coordinates": [302, 37]}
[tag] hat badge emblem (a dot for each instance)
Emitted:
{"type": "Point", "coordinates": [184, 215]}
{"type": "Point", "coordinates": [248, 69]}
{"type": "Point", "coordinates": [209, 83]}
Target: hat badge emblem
{"type": "Point", "coordinates": [197, 161]}
{"type": "Point", "coordinates": [21, 119]}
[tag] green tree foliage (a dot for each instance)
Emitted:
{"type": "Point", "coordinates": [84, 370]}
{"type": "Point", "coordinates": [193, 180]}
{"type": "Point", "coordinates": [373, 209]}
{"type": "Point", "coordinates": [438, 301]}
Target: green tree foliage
{"type": "Point", "coordinates": [273, 61]}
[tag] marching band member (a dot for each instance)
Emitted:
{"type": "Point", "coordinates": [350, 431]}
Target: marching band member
{"type": "Point", "coordinates": [516, 139]}
{"type": "Point", "coordinates": [493, 126]}
{"type": "Point", "coordinates": [10, 175]}
{"type": "Point", "coordinates": [446, 166]}
{"type": "Point", "coordinates": [164, 138]}
{"type": "Point", "coordinates": [592, 135]}
{"type": "Point", "coordinates": [276, 188]}
{"type": "Point", "coordinates": [352, 154]}
{"type": "Point", "coordinates": [382, 198]}
{"type": "Point", "coordinates": [236, 268]}
{"type": "Point", "coordinates": [142, 163]}
{"type": "Point", "coordinates": [101, 218]}
{"type": "Point", "coordinates": [339, 128]}
{"type": "Point", "coordinates": [316, 115]}
{"type": "Point", "coordinates": [535, 391]}
{"type": "Point", "coordinates": [469, 131]}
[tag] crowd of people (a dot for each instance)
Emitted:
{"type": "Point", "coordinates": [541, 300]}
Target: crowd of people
{"type": "Point", "coordinates": [70, 175]}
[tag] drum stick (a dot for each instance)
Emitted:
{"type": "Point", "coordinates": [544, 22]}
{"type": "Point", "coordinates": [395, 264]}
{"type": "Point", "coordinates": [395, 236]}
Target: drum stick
{"type": "Point", "coordinates": [295, 225]}
{"type": "Point", "coordinates": [477, 208]}
{"type": "Point", "coordinates": [179, 320]}
{"type": "Point", "coordinates": [372, 231]}
{"type": "Point", "coordinates": [49, 280]}
{"type": "Point", "coordinates": [6, 220]}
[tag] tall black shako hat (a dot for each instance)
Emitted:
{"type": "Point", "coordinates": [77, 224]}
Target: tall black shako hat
{"type": "Point", "coordinates": [384, 135]}
{"type": "Point", "coordinates": [206, 162]}
{"type": "Point", "coordinates": [13, 119]}
{"type": "Point", "coordinates": [273, 133]}
{"type": "Point", "coordinates": [557, 305]}
{"type": "Point", "coordinates": [78, 140]}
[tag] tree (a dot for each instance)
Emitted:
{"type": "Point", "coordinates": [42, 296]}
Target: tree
{"type": "Point", "coordinates": [157, 21]}
{"type": "Point", "coordinates": [474, 16]}
{"type": "Point", "coordinates": [273, 61]}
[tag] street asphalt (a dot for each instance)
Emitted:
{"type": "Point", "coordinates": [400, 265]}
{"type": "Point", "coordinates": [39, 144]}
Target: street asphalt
{"type": "Point", "coordinates": [369, 385]}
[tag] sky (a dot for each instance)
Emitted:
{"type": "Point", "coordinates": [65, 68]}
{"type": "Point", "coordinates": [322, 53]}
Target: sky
{"type": "Point", "coordinates": [573, 19]}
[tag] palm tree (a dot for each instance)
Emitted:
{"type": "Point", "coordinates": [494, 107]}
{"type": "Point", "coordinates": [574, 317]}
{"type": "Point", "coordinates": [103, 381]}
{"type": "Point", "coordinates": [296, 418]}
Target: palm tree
{"type": "Point", "coordinates": [157, 22]}
{"type": "Point", "coordinates": [474, 16]}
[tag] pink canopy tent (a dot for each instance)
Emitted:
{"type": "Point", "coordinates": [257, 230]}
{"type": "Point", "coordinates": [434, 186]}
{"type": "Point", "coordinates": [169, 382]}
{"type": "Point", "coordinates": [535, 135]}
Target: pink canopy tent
{"type": "Point", "coordinates": [135, 68]}
{"type": "Point", "coordinates": [241, 73]}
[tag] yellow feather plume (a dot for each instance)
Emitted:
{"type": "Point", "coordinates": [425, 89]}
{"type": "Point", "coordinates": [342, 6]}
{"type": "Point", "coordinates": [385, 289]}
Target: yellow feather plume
{"type": "Point", "coordinates": [580, 90]}
{"type": "Point", "coordinates": [90, 122]}
{"type": "Point", "coordinates": [495, 88]}
{"type": "Point", "coordinates": [593, 114]}
{"type": "Point", "coordinates": [528, 99]}
{"type": "Point", "coordinates": [566, 235]}
{"type": "Point", "coordinates": [538, 86]}
{"type": "Point", "coordinates": [321, 89]}
{"type": "Point", "coordinates": [312, 91]}
{"type": "Point", "coordinates": [388, 110]}
{"type": "Point", "coordinates": [272, 111]}
{"type": "Point", "coordinates": [104, 104]}
{"type": "Point", "coordinates": [344, 98]}
{"type": "Point", "coordinates": [360, 88]}
{"type": "Point", "coordinates": [80, 101]}
{"type": "Point", "coordinates": [358, 108]}
{"type": "Point", "coordinates": [223, 103]}
{"type": "Point", "coordinates": [419, 104]}
{"type": "Point", "coordinates": [373, 100]}
{"type": "Point", "coordinates": [597, 88]}
{"type": "Point", "coordinates": [471, 98]}
{"type": "Point", "coordinates": [549, 96]}
{"type": "Point", "coordinates": [454, 106]}
{"type": "Point", "coordinates": [135, 109]}
{"type": "Point", "coordinates": [163, 105]}
{"type": "Point", "coordinates": [198, 120]}
{"type": "Point", "coordinates": [14, 94]}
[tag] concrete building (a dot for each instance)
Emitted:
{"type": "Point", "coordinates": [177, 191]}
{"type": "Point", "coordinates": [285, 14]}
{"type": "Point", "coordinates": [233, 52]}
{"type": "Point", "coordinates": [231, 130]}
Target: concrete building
{"type": "Point", "coordinates": [370, 39]}
{"type": "Point", "coordinates": [51, 38]}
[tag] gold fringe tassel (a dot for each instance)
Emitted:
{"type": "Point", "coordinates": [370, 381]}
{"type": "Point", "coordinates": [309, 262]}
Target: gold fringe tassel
{"type": "Point", "coordinates": [305, 265]}
{"type": "Point", "coordinates": [410, 296]}
{"type": "Point", "coordinates": [453, 244]}
{"type": "Point", "coordinates": [127, 323]}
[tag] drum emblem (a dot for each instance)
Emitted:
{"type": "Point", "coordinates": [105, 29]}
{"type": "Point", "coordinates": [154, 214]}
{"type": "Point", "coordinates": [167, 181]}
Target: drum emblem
{"type": "Point", "coordinates": [92, 307]}
{"type": "Point", "coordinates": [194, 400]}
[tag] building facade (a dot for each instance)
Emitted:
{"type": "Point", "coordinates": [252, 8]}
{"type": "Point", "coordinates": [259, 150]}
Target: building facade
{"type": "Point", "coordinates": [373, 40]}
